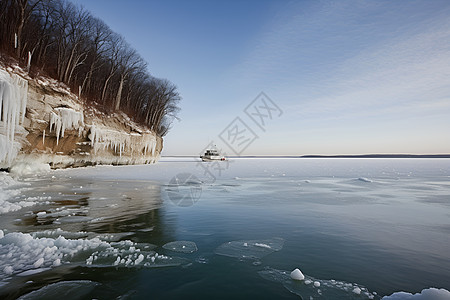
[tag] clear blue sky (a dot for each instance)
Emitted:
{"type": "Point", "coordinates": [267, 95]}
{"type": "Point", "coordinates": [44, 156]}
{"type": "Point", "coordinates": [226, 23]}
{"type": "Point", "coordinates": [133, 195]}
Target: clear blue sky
{"type": "Point", "coordinates": [350, 77]}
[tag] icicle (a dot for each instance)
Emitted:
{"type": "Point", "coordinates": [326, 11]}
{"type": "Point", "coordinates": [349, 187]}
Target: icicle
{"type": "Point", "coordinates": [13, 102]}
{"type": "Point", "coordinates": [43, 138]}
{"type": "Point", "coordinates": [65, 118]}
{"type": "Point", "coordinates": [15, 40]}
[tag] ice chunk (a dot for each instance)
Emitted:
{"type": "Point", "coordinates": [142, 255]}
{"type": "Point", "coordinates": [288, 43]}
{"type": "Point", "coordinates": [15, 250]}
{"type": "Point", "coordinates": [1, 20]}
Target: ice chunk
{"type": "Point", "coordinates": [32, 272]}
{"type": "Point", "coordinates": [139, 259]}
{"type": "Point", "coordinates": [76, 289]}
{"type": "Point", "coordinates": [262, 245]}
{"type": "Point", "coordinates": [426, 294]}
{"type": "Point", "coordinates": [317, 284]}
{"type": "Point", "coordinates": [297, 275]}
{"type": "Point", "coordinates": [252, 249]}
{"type": "Point", "coordinates": [181, 246]}
{"type": "Point", "coordinates": [38, 263]}
{"type": "Point", "coordinates": [56, 262]}
{"type": "Point", "coordinates": [364, 179]}
{"type": "Point", "coordinates": [8, 270]}
{"type": "Point", "coordinates": [357, 291]}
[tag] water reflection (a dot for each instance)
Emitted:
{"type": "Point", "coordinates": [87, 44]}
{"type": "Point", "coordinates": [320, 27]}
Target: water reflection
{"type": "Point", "coordinates": [112, 210]}
{"type": "Point", "coordinates": [95, 206]}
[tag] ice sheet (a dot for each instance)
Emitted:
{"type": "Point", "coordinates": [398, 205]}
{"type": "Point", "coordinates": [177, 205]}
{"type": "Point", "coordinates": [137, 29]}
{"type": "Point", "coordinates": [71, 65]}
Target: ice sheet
{"type": "Point", "coordinates": [21, 252]}
{"type": "Point", "coordinates": [66, 290]}
{"type": "Point", "coordinates": [181, 246]}
{"type": "Point", "coordinates": [312, 288]}
{"type": "Point", "coordinates": [426, 294]}
{"type": "Point", "coordinates": [250, 249]}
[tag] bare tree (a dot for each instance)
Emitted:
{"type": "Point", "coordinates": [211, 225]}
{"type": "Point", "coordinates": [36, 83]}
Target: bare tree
{"type": "Point", "coordinates": [99, 33]}
{"type": "Point", "coordinates": [72, 46]}
{"type": "Point", "coordinates": [116, 44]}
{"type": "Point", "coordinates": [25, 9]}
{"type": "Point", "coordinates": [129, 62]}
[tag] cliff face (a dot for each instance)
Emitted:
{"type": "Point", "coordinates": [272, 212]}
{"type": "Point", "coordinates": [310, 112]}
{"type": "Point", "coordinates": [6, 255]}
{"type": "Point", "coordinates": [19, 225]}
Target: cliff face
{"type": "Point", "coordinates": [41, 120]}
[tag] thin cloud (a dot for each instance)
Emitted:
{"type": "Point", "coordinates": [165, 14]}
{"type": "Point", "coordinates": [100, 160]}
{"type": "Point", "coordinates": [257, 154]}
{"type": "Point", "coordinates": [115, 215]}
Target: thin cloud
{"type": "Point", "coordinates": [309, 54]}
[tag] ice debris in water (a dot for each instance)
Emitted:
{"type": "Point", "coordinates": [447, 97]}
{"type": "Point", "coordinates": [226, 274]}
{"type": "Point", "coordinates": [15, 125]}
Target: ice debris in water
{"type": "Point", "coordinates": [55, 233]}
{"type": "Point", "coordinates": [21, 168]}
{"type": "Point", "coordinates": [319, 289]}
{"type": "Point", "coordinates": [76, 289]}
{"type": "Point", "coordinates": [426, 294]}
{"type": "Point", "coordinates": [181, 246]}
{"type": "Point", "coordinates": [297, 275]}
{"type": "Point", "coordinates": [252, 249]}
{"type": "Point", "coordinates": [21, 252]}
{"type": "Point", "coordinates": [129, 254]}
{"type": "Point", "coordinates": [10, 195]}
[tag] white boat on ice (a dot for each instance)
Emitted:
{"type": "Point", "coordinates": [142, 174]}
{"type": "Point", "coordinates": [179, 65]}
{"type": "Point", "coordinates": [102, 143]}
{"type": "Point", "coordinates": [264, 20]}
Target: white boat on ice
{"type": "Point", "coordinates": [211, 155]}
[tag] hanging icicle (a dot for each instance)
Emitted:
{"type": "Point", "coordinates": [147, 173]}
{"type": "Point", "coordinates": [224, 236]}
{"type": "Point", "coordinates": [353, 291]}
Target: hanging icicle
{"type": "Point", "coordinates": [13, 103]}
{"type": "Point", "coordinates": [65, 118]}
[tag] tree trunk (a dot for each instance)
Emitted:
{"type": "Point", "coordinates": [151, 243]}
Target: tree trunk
{"type": "Point", "coordinates": [119, 92]}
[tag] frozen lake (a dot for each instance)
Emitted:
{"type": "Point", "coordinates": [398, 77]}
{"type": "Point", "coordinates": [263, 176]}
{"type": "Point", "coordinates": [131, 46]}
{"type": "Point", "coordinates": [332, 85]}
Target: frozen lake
{"type": "Point", "coordinates": [356, 228]}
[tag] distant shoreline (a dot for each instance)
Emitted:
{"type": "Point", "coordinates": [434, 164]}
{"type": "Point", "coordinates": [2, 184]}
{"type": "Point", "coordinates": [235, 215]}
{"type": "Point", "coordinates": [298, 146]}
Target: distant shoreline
{"type": "Point", "coordinates": [328, 156]}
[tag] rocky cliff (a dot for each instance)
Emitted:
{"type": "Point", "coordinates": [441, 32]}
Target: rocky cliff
{"type": "Point", "coordinates": [42, 121]}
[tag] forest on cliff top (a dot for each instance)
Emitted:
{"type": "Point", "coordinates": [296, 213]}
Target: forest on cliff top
{"type": "Point", "coordinates": [59, 39]}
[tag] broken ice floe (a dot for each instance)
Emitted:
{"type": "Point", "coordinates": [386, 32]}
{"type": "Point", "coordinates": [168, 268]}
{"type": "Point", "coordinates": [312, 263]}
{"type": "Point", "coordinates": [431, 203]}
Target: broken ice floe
{"type": "Point", "coordinates": [20, 252]}
{"type": "Point", "coordinates": [76, 289]}
{"type": "Point", "coordinates": [57, 233]}
{"type": "Point", "coordinates": [10, 195]}
{"type": "Point", "coordinates": [425, 294]}
{"type": "Point", "coordinates": [312, 288]}
{"type": "Point", "coordinates": [181, 246]}
{"type": "Point", "coordinates": [129, 254]}
{"type": "Point", "coordinates": [250, 249]}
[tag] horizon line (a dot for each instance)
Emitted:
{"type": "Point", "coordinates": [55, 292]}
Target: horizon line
{"type": "Point", "coordinates": [373, 155]}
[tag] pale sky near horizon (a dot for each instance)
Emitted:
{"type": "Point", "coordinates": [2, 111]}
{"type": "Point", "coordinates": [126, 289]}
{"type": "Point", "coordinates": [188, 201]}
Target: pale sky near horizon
{"type": "Point", "coordinates": [344, 77]}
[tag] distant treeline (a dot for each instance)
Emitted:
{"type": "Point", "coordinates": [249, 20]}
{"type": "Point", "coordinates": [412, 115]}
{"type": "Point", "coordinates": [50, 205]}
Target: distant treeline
{"type": "Point", "coordinates": [67, 43]}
